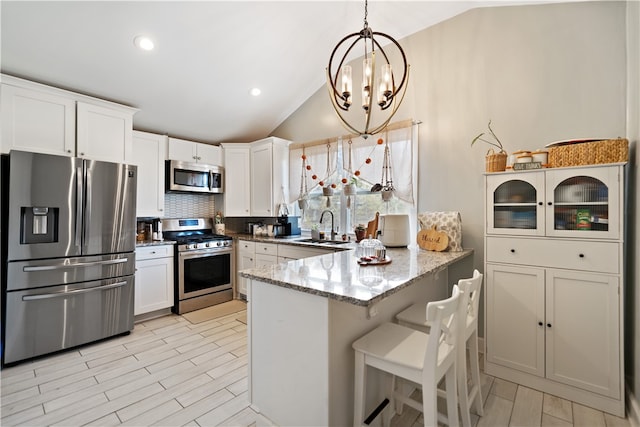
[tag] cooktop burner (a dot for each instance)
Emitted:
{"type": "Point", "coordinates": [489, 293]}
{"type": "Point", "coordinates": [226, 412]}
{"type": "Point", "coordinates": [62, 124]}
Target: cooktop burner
{"type": "Point", "coordinates": [194, 233]}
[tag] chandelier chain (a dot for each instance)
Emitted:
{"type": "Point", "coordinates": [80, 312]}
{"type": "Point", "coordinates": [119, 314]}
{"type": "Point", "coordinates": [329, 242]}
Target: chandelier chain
{"type": "Point", "coordinates": [366, 12]}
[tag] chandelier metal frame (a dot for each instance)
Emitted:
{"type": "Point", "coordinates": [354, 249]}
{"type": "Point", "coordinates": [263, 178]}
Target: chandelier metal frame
{"type": "Point", "coordinates": [389, 96]}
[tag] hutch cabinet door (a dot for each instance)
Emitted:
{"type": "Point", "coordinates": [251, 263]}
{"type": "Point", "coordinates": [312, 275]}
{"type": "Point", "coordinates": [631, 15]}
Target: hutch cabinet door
{"type": "Point", "coordinates": [515, 203]}
{"type": "Point", "coordinates": [582, 334]}
{"type": "Point", "coordinates": [584, 202]}
{"type": "Point", "coordinates": [514, 317]}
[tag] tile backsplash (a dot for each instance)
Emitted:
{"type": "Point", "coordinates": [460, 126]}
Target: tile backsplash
{"type": "Point", "coordinates": [178, 205]}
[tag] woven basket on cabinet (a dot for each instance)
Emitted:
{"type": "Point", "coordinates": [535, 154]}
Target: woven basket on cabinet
{"type": "Point", "coordinates": [495, 162]}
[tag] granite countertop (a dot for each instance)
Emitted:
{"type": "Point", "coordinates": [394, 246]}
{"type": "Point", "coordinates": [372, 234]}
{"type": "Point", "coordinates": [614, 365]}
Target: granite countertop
{"type": "Point", "coordinates": [339, 276]}
{"type": "Point", "coordinates": [155, 243]}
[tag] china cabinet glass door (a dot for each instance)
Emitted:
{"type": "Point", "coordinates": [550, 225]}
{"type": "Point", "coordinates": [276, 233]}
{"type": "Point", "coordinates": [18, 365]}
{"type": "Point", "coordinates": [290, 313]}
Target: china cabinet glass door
{"type": "Point", "coordinates": [583, 202]}
{"type": "Point", "coordinates": [515, 203]}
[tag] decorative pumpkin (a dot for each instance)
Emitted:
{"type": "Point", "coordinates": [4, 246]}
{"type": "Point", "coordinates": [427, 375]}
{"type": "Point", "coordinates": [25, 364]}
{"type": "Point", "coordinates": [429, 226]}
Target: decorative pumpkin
{"type": "Point", "coordinates": [433, 240]}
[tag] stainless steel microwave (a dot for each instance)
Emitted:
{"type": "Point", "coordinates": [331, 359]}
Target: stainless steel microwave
{"type": "Point", "coordinates": [194, 177]}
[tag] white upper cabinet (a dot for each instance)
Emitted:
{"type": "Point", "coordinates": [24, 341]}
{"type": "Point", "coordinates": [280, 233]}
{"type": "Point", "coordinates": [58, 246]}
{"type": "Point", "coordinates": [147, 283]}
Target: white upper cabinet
{"type": "Point", "coordinates": [44, 119]}
{"type": "Point", "coordinates": [237, 169]}
{"type": "Point", "coordinates": [37, 121]}
{"type": "Point", "coordinates": [149, 154]}
{"type": "Point", "coordinates": [257, 177]}
{"type": "Point", "coordinates": [104, 133]}
{"type": "Point", "coordinates": [194, 152]}
{"type": "Point", "coordinates": [269, 175]}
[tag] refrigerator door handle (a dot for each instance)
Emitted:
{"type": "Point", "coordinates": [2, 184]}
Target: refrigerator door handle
{"type": "Point", "coordinates": [87, 207]}
{"type": "Point", "coordinates": [28, 269]}
{"type": "Point", "coordinates": [79, 204]}
{"type": "Point", "coordinates": [74, 292]}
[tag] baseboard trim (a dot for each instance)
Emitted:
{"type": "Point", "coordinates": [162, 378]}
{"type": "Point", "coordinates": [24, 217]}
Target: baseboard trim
{"type": "Point", "coordinates": [633, 409]}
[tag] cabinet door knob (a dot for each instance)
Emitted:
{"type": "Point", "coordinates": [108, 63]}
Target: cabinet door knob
{"type": "Point", "coordinates": [513, 251]}
{"type": "Point", "coordinates": [549, 203]}
{"type": "Point", "coordinates": [540, 323]}
{"type": "Point", "coordinates": [581, 255]}
{"type": "Point", "coordinates": [68, 151]}
{"type": "Point", "coordinates": [548, 325]}
{"type": "Point", "coordinates": [540, 203]}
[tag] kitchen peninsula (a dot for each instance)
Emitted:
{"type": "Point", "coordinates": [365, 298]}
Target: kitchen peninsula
{"type": "Point", "coordinates": [303, 316]}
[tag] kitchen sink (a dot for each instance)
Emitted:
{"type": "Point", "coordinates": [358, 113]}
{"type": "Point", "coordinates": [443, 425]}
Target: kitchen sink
{"type": "Point", "coordinates": [322, 242]}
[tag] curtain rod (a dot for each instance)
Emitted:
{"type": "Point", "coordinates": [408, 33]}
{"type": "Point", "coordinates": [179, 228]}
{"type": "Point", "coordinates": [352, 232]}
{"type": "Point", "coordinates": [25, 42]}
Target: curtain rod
{"type": "Point", "coordinates": [392, 126]}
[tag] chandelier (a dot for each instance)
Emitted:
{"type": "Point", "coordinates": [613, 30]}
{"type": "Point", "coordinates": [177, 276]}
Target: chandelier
{"type": "Point", "coordinates": [386, 92]}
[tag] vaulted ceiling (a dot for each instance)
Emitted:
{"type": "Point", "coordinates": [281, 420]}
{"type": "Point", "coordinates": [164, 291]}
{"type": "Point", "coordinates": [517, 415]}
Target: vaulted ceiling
{"type": "Point", "coordinates": [208, 54]}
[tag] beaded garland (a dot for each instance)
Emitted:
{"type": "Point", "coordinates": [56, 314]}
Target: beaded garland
{"type": "Point", "coordinates": [356, 173]}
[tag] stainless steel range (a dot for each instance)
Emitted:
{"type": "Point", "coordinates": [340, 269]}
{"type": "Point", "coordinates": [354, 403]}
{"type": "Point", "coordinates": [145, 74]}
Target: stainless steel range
{"type": "Point", "coordinates": [203, 264]}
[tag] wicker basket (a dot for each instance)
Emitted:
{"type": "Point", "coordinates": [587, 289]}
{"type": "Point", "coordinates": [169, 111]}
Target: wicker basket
{"type": "Point", "coordinates": [589, 153]}
{"type": "Point", "coordinates": [495, 162]}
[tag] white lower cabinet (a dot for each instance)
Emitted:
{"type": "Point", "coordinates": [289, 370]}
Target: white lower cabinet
{"type": "Point", "coordinates": [154, 278]}
{"type": "Point", "coordinates": [259, 254]}
{"type": "Point", "coordinates": [536, 325]}
{"type": "Point", "coordinates": [245, 259]}
{"type": "Point", "coordinates": [266, 254]}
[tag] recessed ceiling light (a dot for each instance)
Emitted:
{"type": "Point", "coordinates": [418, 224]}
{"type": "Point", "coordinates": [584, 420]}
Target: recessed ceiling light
{"type": "Point", "coordinates": [255, 91]}
{"type": "Point", "coordinates": [143, 42]}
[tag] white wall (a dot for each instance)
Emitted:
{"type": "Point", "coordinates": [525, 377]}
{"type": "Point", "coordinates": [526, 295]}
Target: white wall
{"type": "Point", "coordinates": [541, 73]}
{"type": "Point", "coordinates": [632, 293]}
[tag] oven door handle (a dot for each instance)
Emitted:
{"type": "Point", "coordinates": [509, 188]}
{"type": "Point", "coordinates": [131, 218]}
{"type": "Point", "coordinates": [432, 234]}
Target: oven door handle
{"type": "Point", "coordinates": [202, 253]}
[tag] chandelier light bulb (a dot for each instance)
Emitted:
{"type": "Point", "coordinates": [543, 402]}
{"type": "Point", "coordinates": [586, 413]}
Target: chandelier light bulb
{"type": "Point", "coordinates": [347, 85]}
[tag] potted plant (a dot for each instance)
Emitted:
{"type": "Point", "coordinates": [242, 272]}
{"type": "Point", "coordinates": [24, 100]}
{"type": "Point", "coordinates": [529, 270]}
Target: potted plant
{"type": "Point", "coordinates": [351, 187]}
{"type": "Point", "coordinates": [219, 223]}
{"type": "Point", "coordinates": [360, 231]}
{"type": "Point", "coordinates": [495, 162]}
{"type": "Point", "coordinates": [315, 232]}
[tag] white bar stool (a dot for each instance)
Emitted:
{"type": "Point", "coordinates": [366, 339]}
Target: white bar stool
{"type": "Point", "coordinates": [414, 317]}
{"type": "Point", "coordinates": [415, 356]}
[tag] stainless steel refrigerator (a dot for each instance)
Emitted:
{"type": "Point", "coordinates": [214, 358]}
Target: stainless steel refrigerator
{"type": "Point", "coordinates": [70, 239]}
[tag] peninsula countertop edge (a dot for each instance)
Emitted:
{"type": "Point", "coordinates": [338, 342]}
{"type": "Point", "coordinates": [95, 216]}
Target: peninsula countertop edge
{"type": "Point", "coordinates": [338, 275]}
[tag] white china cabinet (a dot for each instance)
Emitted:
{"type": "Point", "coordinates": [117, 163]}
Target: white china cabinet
{"type": "Point", "coordinates": [154, 278]}
{"type": "Point", "coordinates": [554, 273]}
{"type": "Point", "coordinates": [194, 152]}
{"type": "Point", "coordinates": [44, 119]}
{"type": "Point", "coordinates": [149, 154]}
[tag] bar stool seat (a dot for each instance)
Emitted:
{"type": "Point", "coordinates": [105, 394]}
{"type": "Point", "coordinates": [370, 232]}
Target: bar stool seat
{"type": "Point", "coordinates": [424, 359]}
{"type": "Point", "coordinates": [414, 317]}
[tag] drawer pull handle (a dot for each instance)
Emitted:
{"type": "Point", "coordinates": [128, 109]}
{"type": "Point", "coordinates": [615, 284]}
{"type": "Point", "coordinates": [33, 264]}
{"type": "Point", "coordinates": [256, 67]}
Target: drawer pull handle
{"type": "Point", "coordinates": [513, 251]}
{"type": "Point", "coordinates": [581, 255]}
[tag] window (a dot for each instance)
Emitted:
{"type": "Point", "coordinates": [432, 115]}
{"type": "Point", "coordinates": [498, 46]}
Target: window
{"type": "Point", "coordinates": [329, 161]}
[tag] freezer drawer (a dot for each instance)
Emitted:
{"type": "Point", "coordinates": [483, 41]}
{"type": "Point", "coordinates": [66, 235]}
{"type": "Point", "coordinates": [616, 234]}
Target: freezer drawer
{"type": "Point", "coordinates": [44, 320]}
{"type": "Point", "coordinates": [63, 271]}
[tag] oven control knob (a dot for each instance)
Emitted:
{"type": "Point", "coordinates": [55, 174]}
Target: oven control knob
{"type": "Point", "coordinates": [206, 245]}
{"type": "Point", "coordinates": [218, 243]}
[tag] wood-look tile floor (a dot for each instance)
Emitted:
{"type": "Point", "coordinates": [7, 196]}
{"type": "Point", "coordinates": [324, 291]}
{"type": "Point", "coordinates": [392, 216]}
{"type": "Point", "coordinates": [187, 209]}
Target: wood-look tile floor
{"type": "Point", "coordinates": [169, 372]}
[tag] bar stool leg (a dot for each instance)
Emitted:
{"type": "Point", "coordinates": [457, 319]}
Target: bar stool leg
{"type": "Point", "coordinates": [475, 372]}
{"type": "Point", "coordinates": [360, 384]}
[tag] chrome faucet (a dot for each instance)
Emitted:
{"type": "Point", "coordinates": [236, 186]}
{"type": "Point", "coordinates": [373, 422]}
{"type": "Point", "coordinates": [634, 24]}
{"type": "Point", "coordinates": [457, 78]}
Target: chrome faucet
{"type": "Point", "coordinates": [333, 231]}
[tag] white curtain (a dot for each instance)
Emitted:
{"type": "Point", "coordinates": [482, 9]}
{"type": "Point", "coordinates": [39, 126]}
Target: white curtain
{"type": "Point", "coordinates": [401, 153]}
{"type": "Point", "coordinates": [316, 157]}
{"type": "Point", "coordinates": [399, 137]}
